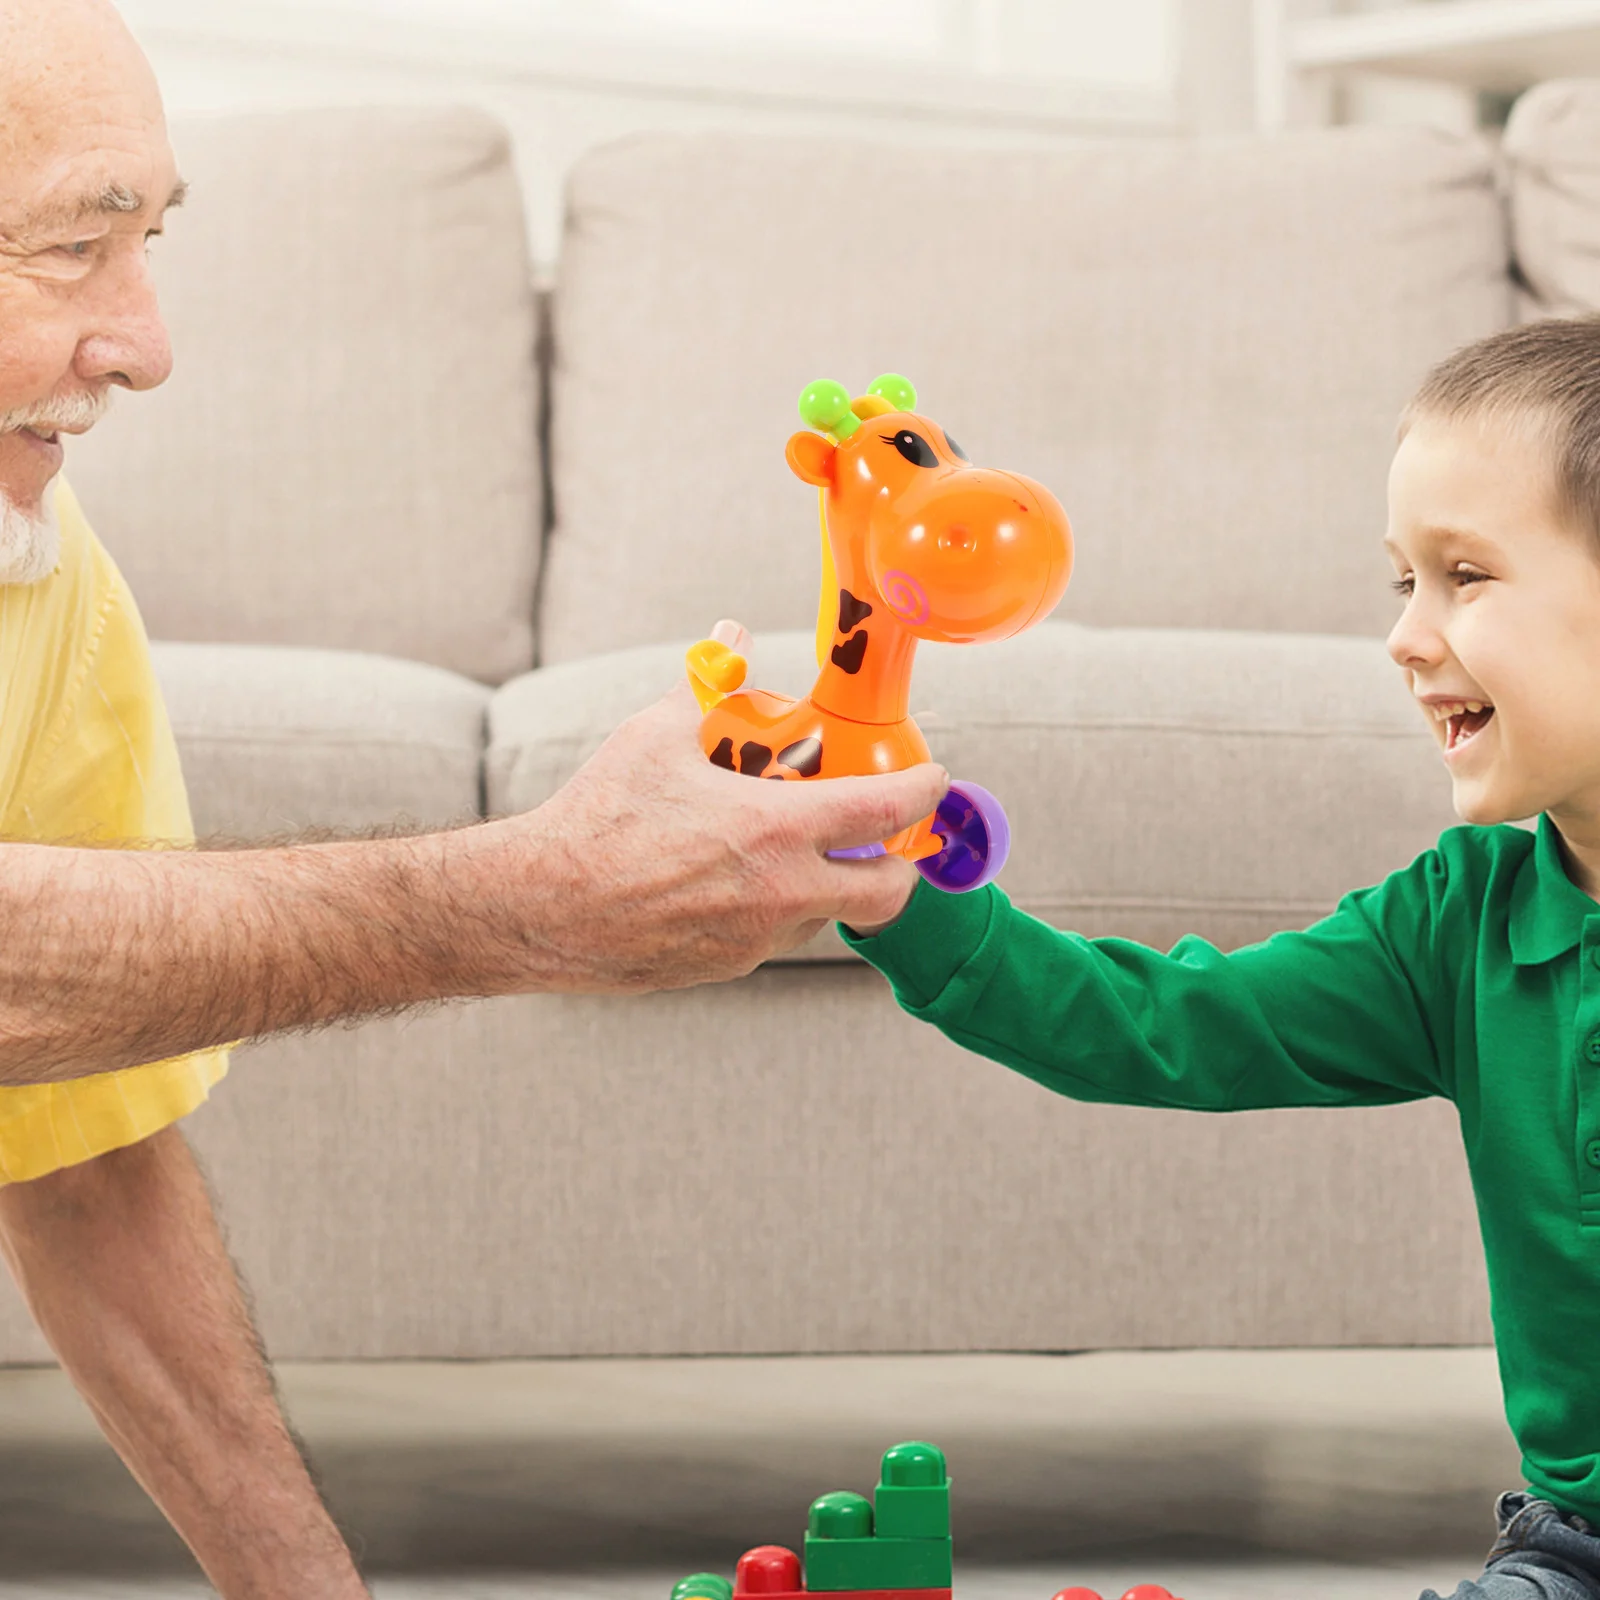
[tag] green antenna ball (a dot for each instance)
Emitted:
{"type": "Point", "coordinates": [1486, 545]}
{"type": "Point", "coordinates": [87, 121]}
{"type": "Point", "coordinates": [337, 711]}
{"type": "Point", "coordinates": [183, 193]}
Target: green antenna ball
{"type": "Point", "coordinates": [914, 1465]}
{"type": "Point", "coordinates": [896, 390]}
{"type": "Point", "coordinates": [703, 1586]}
{"type": "Point", "coordinates": [826, 405]}
{"type": "Point", "coordinates": [840, 1515]}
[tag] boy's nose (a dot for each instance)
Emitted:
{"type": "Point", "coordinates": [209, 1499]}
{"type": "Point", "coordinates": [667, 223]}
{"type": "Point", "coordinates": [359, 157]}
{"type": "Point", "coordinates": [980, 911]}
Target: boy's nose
{"type": "Point", "coordinates": [1413, 644]}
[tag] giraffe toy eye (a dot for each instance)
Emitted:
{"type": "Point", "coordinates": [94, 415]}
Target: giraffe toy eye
{"type": "Point", "coordinates": [913, 447]}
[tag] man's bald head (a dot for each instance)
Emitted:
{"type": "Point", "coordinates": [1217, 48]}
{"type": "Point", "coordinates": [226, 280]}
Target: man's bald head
{"type": "Point", "coordinates": [86, 174]}
{"type": "Point", "coordinates": [50, 47]}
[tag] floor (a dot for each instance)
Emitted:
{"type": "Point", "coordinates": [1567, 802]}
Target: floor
{"type": "Point", "coordinates": [1235, 1475]}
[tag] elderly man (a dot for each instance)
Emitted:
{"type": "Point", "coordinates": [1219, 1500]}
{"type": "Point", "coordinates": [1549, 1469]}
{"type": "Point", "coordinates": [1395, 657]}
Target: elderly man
{"type": "Point", "coordinates": [651, 869]}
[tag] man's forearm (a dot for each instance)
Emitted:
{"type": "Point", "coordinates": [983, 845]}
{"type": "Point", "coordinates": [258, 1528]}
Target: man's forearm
{"type": "Point", "coordinates": [123, 1265]}
{"type": "Point", "coordinates": [111, 958]}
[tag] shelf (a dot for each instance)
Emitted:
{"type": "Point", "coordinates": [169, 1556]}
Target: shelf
{"type": "Point", "coordinates": [1500, 45]}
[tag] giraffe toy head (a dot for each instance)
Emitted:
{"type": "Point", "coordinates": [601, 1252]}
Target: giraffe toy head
{"type": "Point", "coordinates": [955, 553]}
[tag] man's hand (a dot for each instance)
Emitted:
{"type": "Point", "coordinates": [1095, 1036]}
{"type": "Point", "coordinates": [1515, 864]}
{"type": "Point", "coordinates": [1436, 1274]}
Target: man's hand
{"type": "Point", "coordinates": [653, 869]}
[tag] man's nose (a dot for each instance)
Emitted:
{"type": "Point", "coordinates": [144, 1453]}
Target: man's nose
{"type": "Point", "coordinates": [127, 343]}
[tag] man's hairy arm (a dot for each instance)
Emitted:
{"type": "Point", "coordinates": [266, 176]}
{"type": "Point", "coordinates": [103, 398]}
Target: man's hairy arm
{"type": "Point", "coordinates": [110, 958]}
{"type": "Point", "coordinates": [650, 869]}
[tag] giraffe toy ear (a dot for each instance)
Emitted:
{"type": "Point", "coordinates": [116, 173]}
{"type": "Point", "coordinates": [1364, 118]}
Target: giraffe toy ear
{"type": "Point", "coordinates": [810, 457]}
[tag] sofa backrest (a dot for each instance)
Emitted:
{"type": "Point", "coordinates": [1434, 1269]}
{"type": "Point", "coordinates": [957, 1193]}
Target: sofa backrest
{"type": "Point", "coordinates": [1201, 347]}
{"type": "Point", "coordinates": [1552, 150]}
{"type": "Point", "coordinates": [346, 454]}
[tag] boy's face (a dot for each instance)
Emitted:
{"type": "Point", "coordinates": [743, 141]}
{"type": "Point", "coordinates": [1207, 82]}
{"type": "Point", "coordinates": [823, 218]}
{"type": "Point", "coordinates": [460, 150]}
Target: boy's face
{"type": "Point", "coordinates": [1502, 611]}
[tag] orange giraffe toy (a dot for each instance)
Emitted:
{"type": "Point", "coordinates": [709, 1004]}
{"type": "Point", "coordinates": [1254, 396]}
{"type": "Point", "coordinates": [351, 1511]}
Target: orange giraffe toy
{"type": "Point", "coordinates": [917, 543]}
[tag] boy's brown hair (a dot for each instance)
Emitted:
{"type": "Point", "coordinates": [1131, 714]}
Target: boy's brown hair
{"type": "Point", "coordinates": [1548, 374]}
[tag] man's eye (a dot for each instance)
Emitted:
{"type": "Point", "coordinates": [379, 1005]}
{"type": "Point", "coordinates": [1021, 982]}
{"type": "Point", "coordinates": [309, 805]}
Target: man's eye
{"type": "Point", "coordinates": [79, 251]}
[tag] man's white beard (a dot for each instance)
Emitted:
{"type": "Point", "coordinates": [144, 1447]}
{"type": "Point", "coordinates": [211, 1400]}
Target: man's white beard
{"type": "Point", "coordinates": [30, 541]}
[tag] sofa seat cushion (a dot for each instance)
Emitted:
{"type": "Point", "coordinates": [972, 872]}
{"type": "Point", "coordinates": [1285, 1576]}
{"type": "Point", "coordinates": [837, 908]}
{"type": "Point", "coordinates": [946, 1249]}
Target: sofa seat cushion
{"type": "Point", "coordinates": [277, 740]}
{"type": "Point", "coordinates": [1158, 781]}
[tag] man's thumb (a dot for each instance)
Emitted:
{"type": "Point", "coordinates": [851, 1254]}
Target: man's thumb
{"type": "Point", "coordinates": [854, 811]}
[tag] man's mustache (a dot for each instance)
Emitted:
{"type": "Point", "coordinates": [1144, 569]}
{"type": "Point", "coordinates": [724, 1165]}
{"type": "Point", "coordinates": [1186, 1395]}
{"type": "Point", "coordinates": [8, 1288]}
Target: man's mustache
{"type": "Point", "coordinates": [73, 412]}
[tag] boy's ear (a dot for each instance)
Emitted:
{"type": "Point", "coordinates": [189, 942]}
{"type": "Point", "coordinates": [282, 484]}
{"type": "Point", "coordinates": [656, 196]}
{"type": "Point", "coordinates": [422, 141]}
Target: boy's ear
{"type": "Point", "coordinates": [810, 457]}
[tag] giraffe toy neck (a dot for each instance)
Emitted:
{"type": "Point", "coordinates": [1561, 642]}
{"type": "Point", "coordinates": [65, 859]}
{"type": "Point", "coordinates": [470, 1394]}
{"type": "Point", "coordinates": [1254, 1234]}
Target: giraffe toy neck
{"type": "Point", "coordinates": [865, 665]}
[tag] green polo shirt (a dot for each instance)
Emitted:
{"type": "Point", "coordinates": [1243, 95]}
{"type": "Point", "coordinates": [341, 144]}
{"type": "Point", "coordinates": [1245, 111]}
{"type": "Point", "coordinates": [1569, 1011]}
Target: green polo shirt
{"type": "Point", "coordinates": [1473, 974]}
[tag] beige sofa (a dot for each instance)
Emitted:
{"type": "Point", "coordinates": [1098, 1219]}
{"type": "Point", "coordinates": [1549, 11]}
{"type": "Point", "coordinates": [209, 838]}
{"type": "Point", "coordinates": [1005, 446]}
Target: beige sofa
{"type": "Point", "coordinates": [388, 478]}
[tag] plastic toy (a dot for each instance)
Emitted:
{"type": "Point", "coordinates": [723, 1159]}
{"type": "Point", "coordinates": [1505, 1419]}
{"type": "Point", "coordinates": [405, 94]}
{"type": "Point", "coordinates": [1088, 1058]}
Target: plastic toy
{"type": "Point", "coordinates": [917, 543]}
{"type": "Point", "coordinates": [894, 1547]}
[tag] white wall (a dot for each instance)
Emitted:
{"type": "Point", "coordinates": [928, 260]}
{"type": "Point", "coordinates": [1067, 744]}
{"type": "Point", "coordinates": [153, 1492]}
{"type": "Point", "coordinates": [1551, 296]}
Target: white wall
{"type": "Point", "coordinates": [566, 76]}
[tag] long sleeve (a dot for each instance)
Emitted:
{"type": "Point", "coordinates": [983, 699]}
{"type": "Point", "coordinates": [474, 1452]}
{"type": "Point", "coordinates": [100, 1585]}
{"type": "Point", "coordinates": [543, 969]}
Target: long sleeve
{"type": "Point", "coordinates": [1336, 1014]}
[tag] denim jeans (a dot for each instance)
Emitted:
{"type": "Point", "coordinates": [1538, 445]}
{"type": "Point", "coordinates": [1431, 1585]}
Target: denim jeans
{"type": "Point", "coordinates": [1541, 1554]}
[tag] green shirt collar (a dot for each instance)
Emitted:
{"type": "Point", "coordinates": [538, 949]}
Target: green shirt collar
{"type": "Point", "coordinates": [1547, 908]}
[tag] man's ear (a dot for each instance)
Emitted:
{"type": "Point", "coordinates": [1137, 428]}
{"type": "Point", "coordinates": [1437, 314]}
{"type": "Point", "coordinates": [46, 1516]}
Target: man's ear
{"type": "Point", "coordinates": [810, 457]}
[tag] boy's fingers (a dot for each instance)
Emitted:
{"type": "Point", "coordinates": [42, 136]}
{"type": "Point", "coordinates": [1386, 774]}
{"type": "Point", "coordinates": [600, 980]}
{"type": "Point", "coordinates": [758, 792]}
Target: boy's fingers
{"type": "Point", "coordinates": [733, 634]}
{"type": "Point", "coordinates": [869, 894]}
{"type": "Point", "coordinates": [854, 811]}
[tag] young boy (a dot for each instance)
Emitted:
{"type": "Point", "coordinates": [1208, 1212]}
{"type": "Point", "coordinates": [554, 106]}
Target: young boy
{"type": "Point", "coordinates": [1472, 974]}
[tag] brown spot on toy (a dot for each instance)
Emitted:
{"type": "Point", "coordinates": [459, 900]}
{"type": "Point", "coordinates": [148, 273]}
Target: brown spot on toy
{"type": "Point", "coordinates": [754, 759]}
{"type": "Point", "coordinates": [803, 756]}
{"type": "Point", "coordinates": [722, 756]}
{"type": "Point", "coordinates": [849, 655]}
{"type": "Point", "coordinates": [852, 612]}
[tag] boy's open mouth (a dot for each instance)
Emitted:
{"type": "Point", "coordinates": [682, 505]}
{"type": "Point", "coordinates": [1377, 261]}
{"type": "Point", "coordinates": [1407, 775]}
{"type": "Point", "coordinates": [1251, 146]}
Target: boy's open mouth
{"type": "Point", "coordinates": [1464, 720]}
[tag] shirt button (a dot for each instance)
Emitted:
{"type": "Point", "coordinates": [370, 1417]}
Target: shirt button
{"type": "Point", "coordinates": [1591, 1152]}
{"type": "Point", "coordinates": [1591, 1047]}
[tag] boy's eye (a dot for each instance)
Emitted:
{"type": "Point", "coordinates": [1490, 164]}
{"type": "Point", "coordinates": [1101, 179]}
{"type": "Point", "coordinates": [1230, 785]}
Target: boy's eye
{"type": "Point", "coordinates": [1402, 586]}
{"type": "Point", "coordinates": [1465, 575]}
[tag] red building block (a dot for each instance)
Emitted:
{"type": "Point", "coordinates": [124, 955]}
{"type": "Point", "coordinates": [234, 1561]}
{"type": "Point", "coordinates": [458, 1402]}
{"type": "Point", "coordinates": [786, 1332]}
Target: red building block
{"type": "Point", "coordinates": [1141, 1591]}
{"type": "Point", "coordinates": [773, 1573]}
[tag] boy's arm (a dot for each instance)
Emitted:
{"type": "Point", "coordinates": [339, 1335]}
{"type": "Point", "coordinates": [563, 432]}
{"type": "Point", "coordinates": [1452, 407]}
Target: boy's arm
{"type": "Point", "coordinates": [1333, 1015]}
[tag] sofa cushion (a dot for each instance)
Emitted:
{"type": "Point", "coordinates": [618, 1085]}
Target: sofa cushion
{"type": "Point", "coordinates": [346, 453]}
{"type": "Point", "coordinates": [1201, 347]}
{"type": "Point", "coordinates": [1158, 781]}
{"type": "Point", "coordinates": [277, 741]}
{"type": "Point", "coordinates": [1552, 150]}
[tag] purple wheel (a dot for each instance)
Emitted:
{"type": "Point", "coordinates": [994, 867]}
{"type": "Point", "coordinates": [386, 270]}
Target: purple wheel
{"type": "Point", "coordinates": [977, 840]}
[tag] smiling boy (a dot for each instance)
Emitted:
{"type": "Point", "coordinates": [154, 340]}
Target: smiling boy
{"type": "Point", "coordinates": [1473, 974]}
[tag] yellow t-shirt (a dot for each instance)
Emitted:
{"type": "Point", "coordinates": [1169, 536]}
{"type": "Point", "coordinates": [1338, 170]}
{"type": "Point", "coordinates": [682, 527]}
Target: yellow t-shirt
{"type": "Point", "coordinates": [87, 755]}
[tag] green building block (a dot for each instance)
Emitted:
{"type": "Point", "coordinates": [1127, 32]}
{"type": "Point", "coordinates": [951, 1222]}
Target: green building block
{"type": "Point", "coordinates": [913, 1498]}
{"type": "Point", "coordinates": [703, 1586]}
{"type": "Point", "coordinates": [833, 1564]}
{"type": "Point", "coordinates": [840, 1515]}
{"type": "Point", "coordinates": [842, 1552]}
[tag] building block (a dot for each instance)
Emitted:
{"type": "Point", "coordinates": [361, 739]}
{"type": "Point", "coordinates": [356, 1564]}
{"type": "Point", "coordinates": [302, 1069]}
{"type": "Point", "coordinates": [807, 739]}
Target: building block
{"type": "Point", "coordinates": [843, 1552]}
{"type": "Point", "coordinates": [912, 1500]}
{"type": "Point", "coordinates": [1140, 1591]}
{"type": "Point", "coordinates": [703, 1586]}
{"type": "Point", "coordinates": [833, 1565]}
{"type": "Point", "coordinates": [773, 1573]}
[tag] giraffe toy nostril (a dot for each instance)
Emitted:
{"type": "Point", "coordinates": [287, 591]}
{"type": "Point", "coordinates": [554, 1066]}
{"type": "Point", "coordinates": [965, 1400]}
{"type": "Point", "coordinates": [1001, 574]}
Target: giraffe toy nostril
{"type": "Point", "coordinates": [958, 538]}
